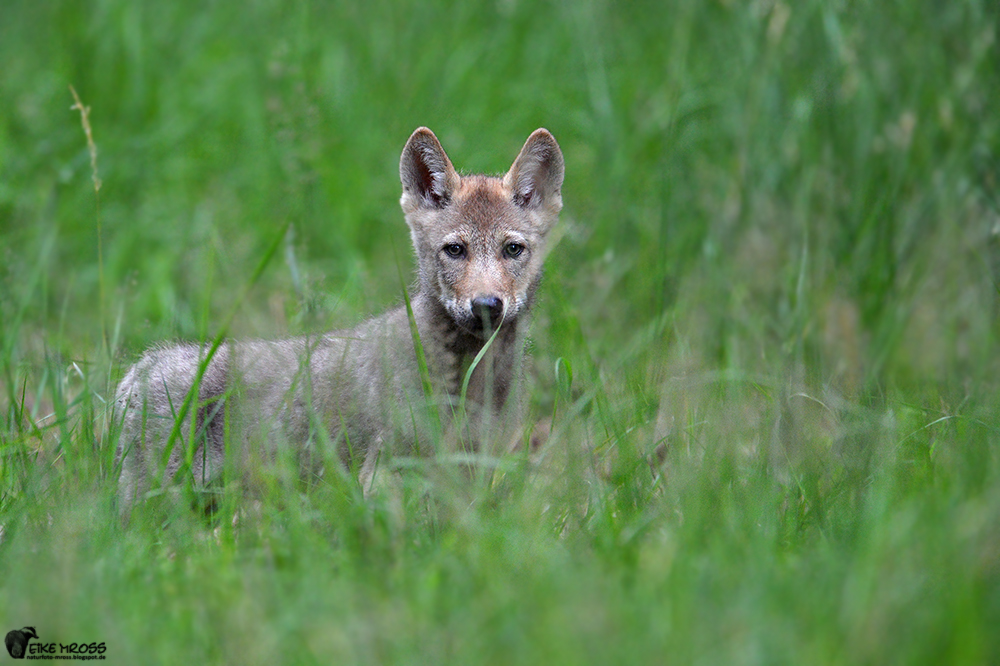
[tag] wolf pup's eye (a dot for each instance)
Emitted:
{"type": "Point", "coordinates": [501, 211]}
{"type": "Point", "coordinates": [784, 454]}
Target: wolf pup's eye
{"type": "Point", "coordinates": [454, 250]}
{"type": "Point", "coordinates": [513, 250]}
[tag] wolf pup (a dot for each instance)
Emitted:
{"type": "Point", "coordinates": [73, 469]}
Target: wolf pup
{"type": "Point", "coordinates": [396, 383]}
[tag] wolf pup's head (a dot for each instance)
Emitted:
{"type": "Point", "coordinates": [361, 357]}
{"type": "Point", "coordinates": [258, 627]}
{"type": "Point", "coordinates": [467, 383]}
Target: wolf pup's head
{"type": "Point", "coordinates": [480, 240]}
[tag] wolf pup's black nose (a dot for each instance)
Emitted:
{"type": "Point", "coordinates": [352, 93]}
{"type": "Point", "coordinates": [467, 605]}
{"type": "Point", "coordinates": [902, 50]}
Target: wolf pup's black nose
{"type": "Point", "coordinates": [488, 309]}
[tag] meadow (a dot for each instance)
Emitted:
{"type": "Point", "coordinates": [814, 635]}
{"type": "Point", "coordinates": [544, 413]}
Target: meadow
{"type": "Point", "coordinates": [767, 338]}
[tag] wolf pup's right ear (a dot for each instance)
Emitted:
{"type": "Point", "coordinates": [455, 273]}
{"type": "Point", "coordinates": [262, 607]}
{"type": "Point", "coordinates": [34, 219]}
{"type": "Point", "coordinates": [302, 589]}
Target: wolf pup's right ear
{"type": "Point", "coordinates": [426, 173]}
{"type": "Point", "coordinates": [536, 177]}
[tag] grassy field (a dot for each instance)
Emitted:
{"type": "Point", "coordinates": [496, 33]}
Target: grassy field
{"type": "Point", "coordinates": [768, 335]}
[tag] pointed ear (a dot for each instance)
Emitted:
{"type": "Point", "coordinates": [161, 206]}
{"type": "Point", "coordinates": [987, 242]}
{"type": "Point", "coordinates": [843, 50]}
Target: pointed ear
{"type": "Point", "coordinates": [536, 176]}
{"type": "Point", "coordinates": [426, 173]}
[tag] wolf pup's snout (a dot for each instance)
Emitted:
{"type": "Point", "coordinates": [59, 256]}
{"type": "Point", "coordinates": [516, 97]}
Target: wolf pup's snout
{"type": "Point", "coordinates": [488, 310]}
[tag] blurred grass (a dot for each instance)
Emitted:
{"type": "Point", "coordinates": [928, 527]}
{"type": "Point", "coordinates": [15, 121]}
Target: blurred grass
{"type": "Point", "coordinates": [776, 289]}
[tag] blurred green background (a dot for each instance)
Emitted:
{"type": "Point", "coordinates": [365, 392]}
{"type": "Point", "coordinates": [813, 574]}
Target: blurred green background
{"type": "Point", "coordinates": [776, 286]}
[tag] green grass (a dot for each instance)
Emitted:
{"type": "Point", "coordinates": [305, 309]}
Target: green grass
{"type": "Point", "coordinates": [776, 290]}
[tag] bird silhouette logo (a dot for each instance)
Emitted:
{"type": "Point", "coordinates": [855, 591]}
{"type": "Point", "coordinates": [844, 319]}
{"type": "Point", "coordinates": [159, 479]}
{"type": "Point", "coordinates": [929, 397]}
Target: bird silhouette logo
{"type": "Point", "coordinates": [17, 641]}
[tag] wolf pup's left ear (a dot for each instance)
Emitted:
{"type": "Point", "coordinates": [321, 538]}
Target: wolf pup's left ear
{"type": "Point", "coordinates": [426, 173]}
{"type": "Point", "coordinates": [536, 176]}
